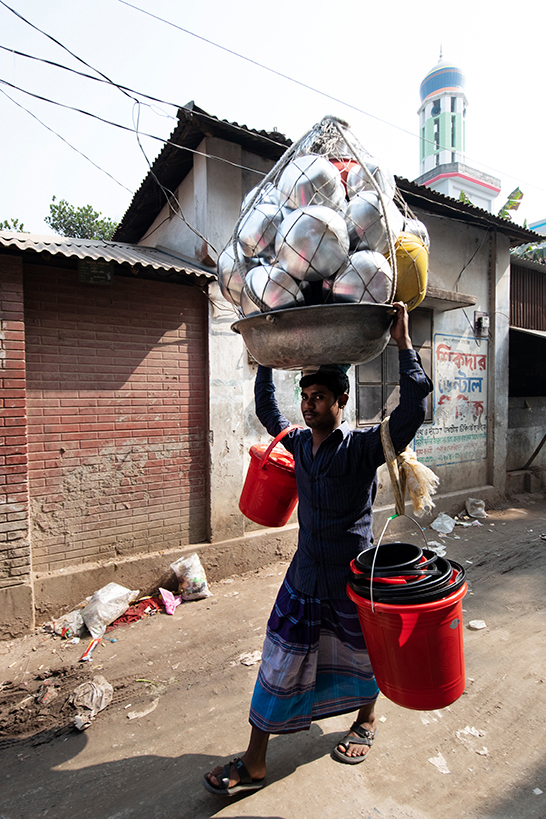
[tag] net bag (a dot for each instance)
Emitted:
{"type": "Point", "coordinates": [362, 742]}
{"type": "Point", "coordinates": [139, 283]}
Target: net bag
{"type": "Point", "coordinates": [327, 225]}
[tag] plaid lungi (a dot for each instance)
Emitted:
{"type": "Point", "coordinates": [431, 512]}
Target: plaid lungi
{"type": "Point", "coordinates": [314, 664]}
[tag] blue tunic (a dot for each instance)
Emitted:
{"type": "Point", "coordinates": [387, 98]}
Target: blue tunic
{"type": "Point", "coordinates": [337, 487]}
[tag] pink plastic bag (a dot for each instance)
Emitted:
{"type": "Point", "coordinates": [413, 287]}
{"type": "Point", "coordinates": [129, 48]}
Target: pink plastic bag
{"type": "Point", "coordinates": [170, 601]}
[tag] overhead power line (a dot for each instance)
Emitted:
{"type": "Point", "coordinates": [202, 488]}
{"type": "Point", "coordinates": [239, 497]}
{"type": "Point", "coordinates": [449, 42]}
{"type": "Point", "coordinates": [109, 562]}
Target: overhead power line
{"type": "Point", "coordinates": [129, 129]}
{"type": "Point", "coordinates": [65, 141]}
{"type": "Point", "coordinates": [61, 45]}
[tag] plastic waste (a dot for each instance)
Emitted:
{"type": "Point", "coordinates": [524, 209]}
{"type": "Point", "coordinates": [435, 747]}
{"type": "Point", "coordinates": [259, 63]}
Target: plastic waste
{"type": "Point", "coordinates": [170, 601]}
{"type": "Point", "coordinates": [477, 625]}
{"type": "Point", "coordinates": [440, 763]}
{"type": "Point", "coordinates": [443, 524]}
{"type": "Point", "coordinates": [70, 625]}
{"type": "Point", "coordinates": [89, 698]}
{"type": "Point", "coordinates": [475, 508]}
{"type": "Point", "coordinates": [105, 606]}
{"type": "Point", "coordinates": [192, 581]}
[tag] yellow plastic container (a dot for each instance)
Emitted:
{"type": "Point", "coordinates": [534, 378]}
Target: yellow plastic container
{"type": "Point", "coordinates": [412, 267]}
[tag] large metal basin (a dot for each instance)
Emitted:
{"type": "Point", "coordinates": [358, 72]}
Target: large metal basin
{"type": "Point", "coordinates": [323, 334]}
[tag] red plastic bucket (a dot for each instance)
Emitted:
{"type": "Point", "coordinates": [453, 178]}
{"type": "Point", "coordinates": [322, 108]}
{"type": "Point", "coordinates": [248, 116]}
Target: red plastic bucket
{"type": "Point", "coordinates": [269, 493]}
{"type": "Point", "coordinates": [416, 650]}
{"type": "Point", "coordinates": [344, 166]}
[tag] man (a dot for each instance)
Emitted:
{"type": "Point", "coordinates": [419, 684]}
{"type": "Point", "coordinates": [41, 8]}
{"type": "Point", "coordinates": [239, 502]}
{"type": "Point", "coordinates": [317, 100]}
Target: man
{"type": "Point", "coordinates": [314, 660]}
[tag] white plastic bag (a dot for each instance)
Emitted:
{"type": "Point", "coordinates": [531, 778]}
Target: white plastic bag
{"type": "Point", "coordinates": [443, 524]}
{"type": "Point", "coordinates": [105, 606]}
{"type": "Point", "coordinates": [192, 581]}
{"type": "Point", "coordinates": [70, 625]}
{"type": "Point", "coordinates": [475, 508]}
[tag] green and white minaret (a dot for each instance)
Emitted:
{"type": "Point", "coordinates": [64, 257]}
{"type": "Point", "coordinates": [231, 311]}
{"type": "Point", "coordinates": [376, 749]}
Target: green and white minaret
{"type": "Point", "coordinates": [442, 116]}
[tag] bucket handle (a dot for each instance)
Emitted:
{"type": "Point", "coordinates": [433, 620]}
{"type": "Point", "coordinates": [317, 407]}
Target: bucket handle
{"type": "Point", "coordinates": [276, 440]}
{"type": "Point", "coordinates": [392, 517]}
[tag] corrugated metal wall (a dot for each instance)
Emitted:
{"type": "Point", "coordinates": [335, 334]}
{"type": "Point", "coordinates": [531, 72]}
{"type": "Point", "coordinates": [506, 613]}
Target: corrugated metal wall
{"type": "Point", "coordinates": [527, 298]}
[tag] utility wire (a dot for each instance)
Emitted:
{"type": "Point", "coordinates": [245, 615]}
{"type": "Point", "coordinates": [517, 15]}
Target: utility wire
{"type": "Point", "coordinates": [57, 42]}
{"type": "Point", "coordinates": [304, 85]}
{"type": "Point", "coordinates": [103, 80]}
{"type": "Point", "coordinates": [66, 141]}
{"type": "Point", "coordinates": [129, 129]}
{"type": "Point", "coordinates": [169, 195]}
{"type": "Point", "coordinates": [127, 88]}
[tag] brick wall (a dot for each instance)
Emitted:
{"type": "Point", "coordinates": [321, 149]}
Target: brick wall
{"type": "Point", "coordinates": [116, 392]}
{"type": "Point", "coordinates": [14, 544]}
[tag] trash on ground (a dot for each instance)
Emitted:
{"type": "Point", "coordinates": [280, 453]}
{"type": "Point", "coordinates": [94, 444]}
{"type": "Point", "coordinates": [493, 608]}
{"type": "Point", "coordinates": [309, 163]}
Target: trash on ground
{"type": "Point", "coordinates": [105, 606]}
{"type": "Point", "coordinates": [475, 508]}
{"type": "Point", "coordinates": [537, 791]}
{"type": "Point", "coordinates": [89, 698]}
{"type": "Point", "coordinates": [47, 692]}
{"type": "Point", "coordinates": [469, 732]}
{"type": "Point", "coordinates": [170, 601]}
{"type": "Point", "coordinates": [192, 581]}
{"type": "Point", "coordinates": [137, 610]}
{"type": "Point", "coordinates": [69, 625]}
{"type": "Point", "coordinates": [86, 656]}
{"type": "Point", "coordinates": [476, 625]}
{"type": "Point", "coordinates": [250, 658]}
{"type": "Point", "coordinates": [443, 524]}
{"type": "Point", "coordinates": [440, 763]}
{"type": "Point", "coordinates": [139, 714]}
{"type": "Point", "coordinates": [436, 547]}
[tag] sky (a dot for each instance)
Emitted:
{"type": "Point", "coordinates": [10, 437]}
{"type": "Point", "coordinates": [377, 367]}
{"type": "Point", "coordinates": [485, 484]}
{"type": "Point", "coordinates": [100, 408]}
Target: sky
{"type": "Point", "coordinates": [361, 61]}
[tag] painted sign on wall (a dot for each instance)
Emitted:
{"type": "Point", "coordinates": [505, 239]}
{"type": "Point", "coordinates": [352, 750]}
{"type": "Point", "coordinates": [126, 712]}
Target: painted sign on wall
{"type": "Point", "coordinates": [459, 431]}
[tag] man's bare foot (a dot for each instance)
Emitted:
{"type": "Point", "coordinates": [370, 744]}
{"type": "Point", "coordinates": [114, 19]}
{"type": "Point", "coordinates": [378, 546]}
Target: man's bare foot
{"type": "Point", "coordinates": [358, 750]}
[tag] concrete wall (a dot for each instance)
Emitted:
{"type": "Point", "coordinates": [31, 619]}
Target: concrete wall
{"type": "Point", "coordinates": [526, 429]}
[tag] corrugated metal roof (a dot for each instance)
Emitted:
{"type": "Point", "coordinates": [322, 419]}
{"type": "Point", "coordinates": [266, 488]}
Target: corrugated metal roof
{"type": "Point", "coordinates": [538, 333]}
{"type": "Point", "coordinates": [428, 199]}
{"type": "Point", "coordinates": [174, 162]}
{"type": "Point", "coordinates": [98, 250]}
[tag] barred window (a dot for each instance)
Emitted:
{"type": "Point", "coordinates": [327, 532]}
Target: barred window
{"type": "Point", "coordinates": [377, 381]}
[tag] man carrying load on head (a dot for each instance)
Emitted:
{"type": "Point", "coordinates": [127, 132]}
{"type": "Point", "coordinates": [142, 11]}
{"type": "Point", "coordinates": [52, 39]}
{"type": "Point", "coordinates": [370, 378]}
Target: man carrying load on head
{"type": "Point", "coordinates": [314, 661]}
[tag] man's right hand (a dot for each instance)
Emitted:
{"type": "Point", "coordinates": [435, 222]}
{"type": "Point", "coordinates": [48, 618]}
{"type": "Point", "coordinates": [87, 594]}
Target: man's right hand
{"type": "Point", "coordinates": [399, 327]}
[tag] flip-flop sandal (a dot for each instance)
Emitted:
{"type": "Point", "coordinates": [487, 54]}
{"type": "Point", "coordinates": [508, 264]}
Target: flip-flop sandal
{"type": "Point", "coordinates": [365, 737]}
{"type": "Point", "coordinates": [245, 784]}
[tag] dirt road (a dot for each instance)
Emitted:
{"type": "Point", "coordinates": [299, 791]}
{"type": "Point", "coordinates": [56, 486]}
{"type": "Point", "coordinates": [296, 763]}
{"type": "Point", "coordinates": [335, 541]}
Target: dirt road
{"type": "Point", "coordinates": [185, 672]}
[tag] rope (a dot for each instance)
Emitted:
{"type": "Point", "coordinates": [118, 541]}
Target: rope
{"type": "Point", "coordinates": [406, 472]}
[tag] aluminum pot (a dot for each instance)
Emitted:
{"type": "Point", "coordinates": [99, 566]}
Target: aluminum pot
{"type": "Point", "coordinates": [229, 279]}
{"type": "Point", "coordinates": [359, 180]}
{"type": "Point", "coordinates": [312, 243]}
{"type": "Point", "coordinates": [311, 180]}
{"type": "Point", "coordinates": [367, 277]}
{"type": "Point", "coordinates": [366, 223]}
{"type": "Point", "coordinates": [269, 195]}
{"type": "Point", "coordinates": [322, 334]}
{"type": "Point", "coordinates": [417, 228]}
{"type": "Point", "coordinates": [258, 229]}
{"type": "Point", "coordinates": [395, 219]}
{"type": "Point", "coordinates": [274, 287]}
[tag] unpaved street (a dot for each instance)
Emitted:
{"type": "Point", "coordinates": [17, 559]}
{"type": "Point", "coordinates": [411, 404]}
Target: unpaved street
{"type": "Point", "coordinates": [185, 671]}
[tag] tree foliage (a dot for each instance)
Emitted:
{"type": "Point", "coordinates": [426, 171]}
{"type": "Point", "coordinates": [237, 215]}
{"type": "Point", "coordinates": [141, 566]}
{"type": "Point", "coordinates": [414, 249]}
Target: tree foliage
{"type": "Point", "coordinates": [13, 224]}
{"type": "Point", "coordinates": [79, 222]}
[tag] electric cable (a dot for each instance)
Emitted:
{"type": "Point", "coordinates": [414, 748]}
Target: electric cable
{"type": "Point", "coordinates": [129, 129]}
{"type": "Point", "coordinates": [304, 85]}
{"type": "Point", "coordinates": [169, 195]}
{"type": "Point", "coordinates": [113, 178]}
{"type": "Point", "coordinates": [61, 45]}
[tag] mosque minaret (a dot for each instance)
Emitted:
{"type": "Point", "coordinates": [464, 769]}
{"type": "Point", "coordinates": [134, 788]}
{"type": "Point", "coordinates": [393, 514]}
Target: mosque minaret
{"type": "Point", "coordinates": [442, 120]}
